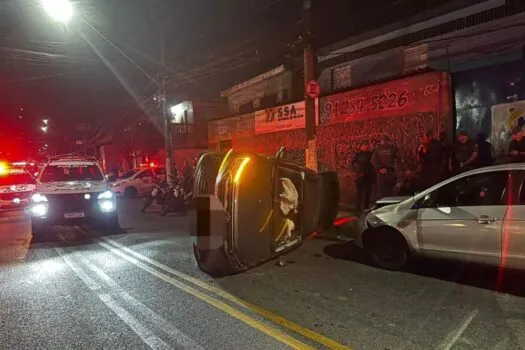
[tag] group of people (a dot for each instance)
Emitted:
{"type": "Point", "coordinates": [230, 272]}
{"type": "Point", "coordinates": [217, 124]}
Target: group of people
{"type": "Point", "coordinates": [437, 161]}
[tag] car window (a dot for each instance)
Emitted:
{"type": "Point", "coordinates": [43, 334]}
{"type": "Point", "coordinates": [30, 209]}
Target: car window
{"type": "Point", "coordinates": [160, 171]}
{"type": "Point", "coordinates": [475, 190]}
{"type": "Point", "coordinates": [75, 172]}
{"type": "Point", "coordinates": [145, 173]}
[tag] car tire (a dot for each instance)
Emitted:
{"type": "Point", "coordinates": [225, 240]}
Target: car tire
{"type": "Point", "coordinates": [131, 192]}
{"type": "Point", "coordinates": [213, 262]}
{"type": "Point", "coordinates": [387, 248]}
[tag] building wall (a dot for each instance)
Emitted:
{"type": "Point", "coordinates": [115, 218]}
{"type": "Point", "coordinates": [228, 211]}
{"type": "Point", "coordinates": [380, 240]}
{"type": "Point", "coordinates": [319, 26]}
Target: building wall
{"type": "Point", "coordinates": [427, 106]}
{"type": "Point", "coordinates": [190, 124]}
{"type": "Point", "coordinates": [474, 36]}
{"type": "Point", "coordinates": [266, 90]}
{"type": "Point", "coordinates": [484, 99]}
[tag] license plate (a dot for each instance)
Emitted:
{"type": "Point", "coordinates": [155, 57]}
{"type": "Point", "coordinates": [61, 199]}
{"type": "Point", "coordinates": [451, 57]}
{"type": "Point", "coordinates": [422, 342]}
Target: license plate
{"type": "Point", "coordinates": [74, 215]}
{"type": "Point", "coordinates": [154, 192]}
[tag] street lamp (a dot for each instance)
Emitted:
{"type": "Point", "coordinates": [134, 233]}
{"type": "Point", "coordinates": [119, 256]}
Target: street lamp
{"type": "Point", "coordinates": [60, 10]}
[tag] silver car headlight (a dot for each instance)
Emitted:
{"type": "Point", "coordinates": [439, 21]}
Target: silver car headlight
{"type": "Point", "coordinates": [373, 221]}
{"type": "Point", "coordinates": [105, 195]}
{"type": "Point", "coordinates": [106, 202]}
{"type": "Point", "coordinates": [38, 198]}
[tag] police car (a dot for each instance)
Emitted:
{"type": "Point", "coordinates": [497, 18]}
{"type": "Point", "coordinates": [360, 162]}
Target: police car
{"type": "Point", "coordinates": [137, 182]}
{"type": "Point", "coordinates": [16, 186]}
{"type": "Point", "coordinates": [71, 190]}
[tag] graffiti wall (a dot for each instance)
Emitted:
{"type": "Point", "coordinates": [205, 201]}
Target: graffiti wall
{"type": "Point", "coordinates": [481, 98]}
{"type": "Point", "coordinates": [404, 110]}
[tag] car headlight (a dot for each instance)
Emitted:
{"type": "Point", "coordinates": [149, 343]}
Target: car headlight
{"type": "Point", "coordinates": [39, 209]}
{"type": "Point", "coordinates": [105, 195]}
{"type": "Point", "coordinates": [106, 205]}
{"type": "Point", "coordinates": [373, 221]}
{"type": "Point", "coordinates": [38, 198]}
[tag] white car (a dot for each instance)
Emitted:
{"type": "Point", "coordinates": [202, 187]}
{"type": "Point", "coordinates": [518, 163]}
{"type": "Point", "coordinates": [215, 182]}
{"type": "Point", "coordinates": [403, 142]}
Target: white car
{"type": "Point", "coordinates": [137, 182]}
{"type": "Point", "coordinates": [16, 187]}
{"type": "Point", "coordinates": [477, 216]}
{"type": "Point", "coordinates": [72, 190]}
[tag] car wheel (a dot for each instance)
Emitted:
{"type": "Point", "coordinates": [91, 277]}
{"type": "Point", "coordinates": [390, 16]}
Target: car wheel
{"type": "Point", "coordinates": [131, 192]}
{"type": "Point", "coordinates": [213, 262]}
{"type": "Point", "coordinates": [387, 248]}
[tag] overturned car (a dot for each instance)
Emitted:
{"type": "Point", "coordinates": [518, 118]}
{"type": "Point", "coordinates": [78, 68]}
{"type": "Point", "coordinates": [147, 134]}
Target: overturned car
{"type": "Point", "coordinates": [249, 208]}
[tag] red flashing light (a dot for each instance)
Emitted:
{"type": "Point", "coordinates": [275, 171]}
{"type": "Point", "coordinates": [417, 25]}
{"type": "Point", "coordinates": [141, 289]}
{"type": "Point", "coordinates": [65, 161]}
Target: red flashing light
{"type": "Point", "coordinates": [4, 168]}
{"type": "Point", "coordinates": [152, 165]}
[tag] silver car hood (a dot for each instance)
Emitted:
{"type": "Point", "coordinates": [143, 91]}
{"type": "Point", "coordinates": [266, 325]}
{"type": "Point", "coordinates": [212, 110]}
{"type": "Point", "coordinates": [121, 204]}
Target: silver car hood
{"type": "Point", "coordinates": [391, 214]}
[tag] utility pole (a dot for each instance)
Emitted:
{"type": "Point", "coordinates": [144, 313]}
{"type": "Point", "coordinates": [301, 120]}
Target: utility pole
{"type": "Point", "coordinates": [310, 62]}
{"type": "Point", "coordinates": [162, 95]}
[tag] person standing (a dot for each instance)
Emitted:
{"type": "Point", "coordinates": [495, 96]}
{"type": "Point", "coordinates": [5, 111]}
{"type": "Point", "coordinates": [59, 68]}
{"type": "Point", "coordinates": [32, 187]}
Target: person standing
{"type": "Point", "coordinates": [517, 146]}
{"type": "Point", "coordinates": [363, 175]}
{"type": "Point", "coordinates": [432, 161]}
{"type": "Point", "coordinates": [385, 159]}
{"type": "Point", "coordinates": [466, 153]}
{"type": "Point", "coordinates": [485, 153]}
{"type": "Point", "coordinates": [447, 156]}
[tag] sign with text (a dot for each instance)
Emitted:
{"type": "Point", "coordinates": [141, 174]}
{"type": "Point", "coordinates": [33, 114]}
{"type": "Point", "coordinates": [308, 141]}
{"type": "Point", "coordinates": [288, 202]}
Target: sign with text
{"type": "Point", "coordinates": [287, 117]}
{"type": "Point", "coordinates": [410, 95]}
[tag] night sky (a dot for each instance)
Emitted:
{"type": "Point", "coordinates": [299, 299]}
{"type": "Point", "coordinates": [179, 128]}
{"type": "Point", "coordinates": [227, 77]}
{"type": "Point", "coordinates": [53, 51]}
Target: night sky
{"type": "Point", "coordinates": [84, 73]}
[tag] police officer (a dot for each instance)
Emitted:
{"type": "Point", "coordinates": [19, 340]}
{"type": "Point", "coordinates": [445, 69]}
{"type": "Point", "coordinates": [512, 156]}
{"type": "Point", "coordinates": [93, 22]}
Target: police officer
{"type": "Point", "coordinates": [447, 156]}
{"type": "Point", "coordinates": [517, 146]}
{"type": "Point", "coordinates": [432, 161]}
{"type": "Point", "coordinates": [485, 150]}
{"type": "Point", "coordinates": [384, 159]}
{"type": "Point", "coordinates": [465, 153]}
{"type": "Point", "coordinates": [363, 175]}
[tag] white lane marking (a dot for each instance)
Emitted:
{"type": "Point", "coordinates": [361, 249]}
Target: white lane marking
{"type": "Point", "coordinates": [142, 331]}
{"type": "Point", "coordinates": [151, 317]}
{"type": "Point", "coordinates": [455, 335]}
{"type": "Point", "coordinates": [165, 268]}
{"type": "Point", "coordinates": [259, 325]}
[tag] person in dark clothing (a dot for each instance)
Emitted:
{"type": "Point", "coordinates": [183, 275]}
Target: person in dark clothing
{"type": "Point", "coordinates": [484, 150]}
{"type": "Point", "coordinates": [447, 156]}
{"type": "Point", "coordinates": [432, 161]}
{"type": "Point", "coordinates": [363, 175]}
{"type": "Point", "coordinates": [407, 186]}
{"type": "Point", "coordinates": [384, 159]}
{"type": "Point", "coordinates": [465, 153]}
{"type": "Point", "coordinates": [421, 150]}
{"type": "Point", "coordinates": [517, 146]}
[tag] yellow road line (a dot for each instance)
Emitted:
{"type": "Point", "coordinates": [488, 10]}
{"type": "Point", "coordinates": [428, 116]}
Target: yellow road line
{"type": "Point", "coordinates": [305, 332]}
{"type": "Point", "coordinates": [250, 321]}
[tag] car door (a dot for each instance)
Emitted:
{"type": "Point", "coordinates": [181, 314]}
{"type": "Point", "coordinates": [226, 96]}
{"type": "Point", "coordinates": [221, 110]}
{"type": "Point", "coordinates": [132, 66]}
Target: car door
{"type": "Point", "coordinates": [144, 181]}
{"type": "Point", "coordinates": [463, 219]}
{"type": "Point", "coordinates": [513, 237]}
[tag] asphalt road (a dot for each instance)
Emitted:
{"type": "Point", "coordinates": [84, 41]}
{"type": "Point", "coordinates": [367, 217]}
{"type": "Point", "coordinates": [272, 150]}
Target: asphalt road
{"type": "Point", "coordinates": [140, 288]}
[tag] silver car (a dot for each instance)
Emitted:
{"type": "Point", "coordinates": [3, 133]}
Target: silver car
{"type": "Point", "coordinates": [477, 216]}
